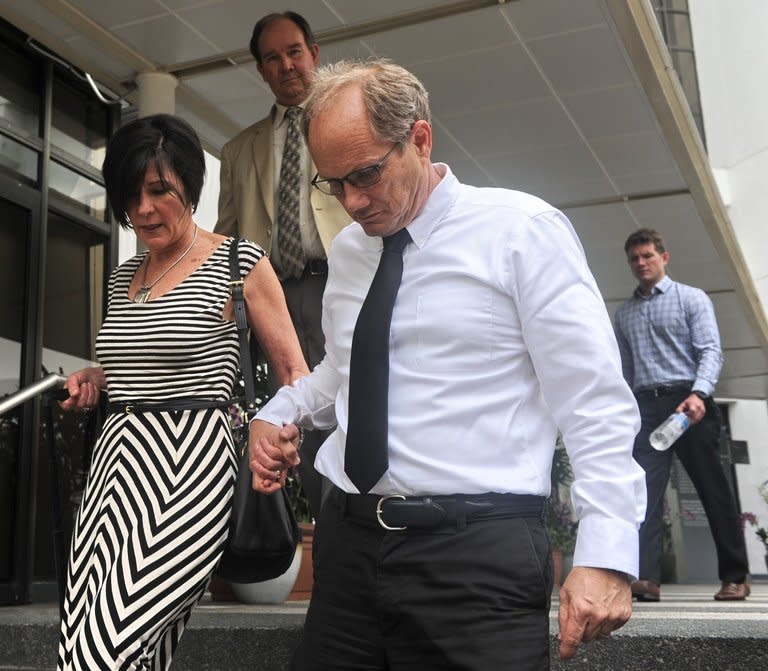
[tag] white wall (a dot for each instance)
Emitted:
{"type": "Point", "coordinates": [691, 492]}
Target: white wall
{"type": "Point", "coordinates": [749, 421]}
{"type": "Point", "coordinates": [732, 65]}
{"type": "Point", "coordinates": [208, 207]}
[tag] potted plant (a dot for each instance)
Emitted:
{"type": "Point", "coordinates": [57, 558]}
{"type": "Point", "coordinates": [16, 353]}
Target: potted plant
{"type": "Point", "coordinates": [562, 530]}
{"type": "Point", "coordinates": [302, 588]}
{"type": "Point", "coordinates": [760, 532]}
{"type": "Point", "coordinates": [558, 517]}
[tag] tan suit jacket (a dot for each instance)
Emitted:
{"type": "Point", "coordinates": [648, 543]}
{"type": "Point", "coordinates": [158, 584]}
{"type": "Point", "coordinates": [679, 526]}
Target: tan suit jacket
{"type": "Point", "coordinates": [246, 196]}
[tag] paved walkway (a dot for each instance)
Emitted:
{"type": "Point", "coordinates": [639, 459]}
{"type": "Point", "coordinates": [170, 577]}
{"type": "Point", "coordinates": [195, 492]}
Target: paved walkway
{"type": "Point", "coordinates": [686, 630]}
{"type": "Point", "coordinates": [690, 610]}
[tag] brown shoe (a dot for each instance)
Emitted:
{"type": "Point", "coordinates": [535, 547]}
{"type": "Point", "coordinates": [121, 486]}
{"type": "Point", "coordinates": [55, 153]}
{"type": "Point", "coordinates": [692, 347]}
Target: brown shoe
{"type": "Point", "coordinates": [733, 591]}
{"type": "Point", "coordinates": [645, 590]}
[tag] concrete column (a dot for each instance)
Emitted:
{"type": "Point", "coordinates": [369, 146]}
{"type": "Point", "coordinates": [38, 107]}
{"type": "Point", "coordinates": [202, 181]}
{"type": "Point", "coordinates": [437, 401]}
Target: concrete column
{"type": "Point", "coordinates": [157, 93]}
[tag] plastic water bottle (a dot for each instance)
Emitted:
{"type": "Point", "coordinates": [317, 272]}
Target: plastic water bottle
{"type": "Point", "coordinates": [669, 431]}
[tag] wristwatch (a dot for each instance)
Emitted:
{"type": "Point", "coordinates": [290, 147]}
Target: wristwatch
{"type": "Point", "coordinates": [700, 394]}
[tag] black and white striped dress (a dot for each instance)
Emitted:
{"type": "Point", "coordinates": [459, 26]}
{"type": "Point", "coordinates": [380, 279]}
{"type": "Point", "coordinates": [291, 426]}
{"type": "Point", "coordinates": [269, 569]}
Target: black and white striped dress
{"type": "Point", "coordinates": [155, 508]}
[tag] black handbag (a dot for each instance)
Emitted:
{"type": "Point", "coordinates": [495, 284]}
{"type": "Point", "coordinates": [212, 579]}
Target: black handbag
{"type": "Point", "coordinates": [263, 532]}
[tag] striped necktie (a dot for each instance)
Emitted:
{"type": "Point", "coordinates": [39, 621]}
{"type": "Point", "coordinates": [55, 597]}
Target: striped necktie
{"type": "Point", "coordinates": [292, 259]}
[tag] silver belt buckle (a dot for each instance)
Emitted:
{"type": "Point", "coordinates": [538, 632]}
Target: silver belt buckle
{"type": "Point", "coordinates": [379, 511]}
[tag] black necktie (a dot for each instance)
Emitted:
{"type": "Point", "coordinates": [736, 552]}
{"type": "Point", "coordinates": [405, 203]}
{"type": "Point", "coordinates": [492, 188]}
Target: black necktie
{"type": "Point", "coordinates": [365, 457]}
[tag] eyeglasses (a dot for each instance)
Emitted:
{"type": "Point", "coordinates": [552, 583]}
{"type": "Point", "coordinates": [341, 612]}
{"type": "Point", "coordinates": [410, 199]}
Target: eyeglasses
{"type": "Point", "coordinates": [363, 178]}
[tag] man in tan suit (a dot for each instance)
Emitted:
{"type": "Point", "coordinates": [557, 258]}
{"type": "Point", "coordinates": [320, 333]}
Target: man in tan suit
{"type": "Point", "coordinates": [251, 165]}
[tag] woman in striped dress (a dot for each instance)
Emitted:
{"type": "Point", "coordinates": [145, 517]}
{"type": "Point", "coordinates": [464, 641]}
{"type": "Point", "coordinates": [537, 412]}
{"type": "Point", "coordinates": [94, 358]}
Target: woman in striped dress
{"type": "Point", "coordinates": [155, 509]}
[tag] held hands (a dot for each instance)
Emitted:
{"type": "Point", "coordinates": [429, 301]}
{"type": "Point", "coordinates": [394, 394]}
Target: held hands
{"type": "Point", "coordinates": [694, 408]}
{"type": "Point", "coordinates": [272, 450]}
{"type": "Point", "coordinates": [593, 603]}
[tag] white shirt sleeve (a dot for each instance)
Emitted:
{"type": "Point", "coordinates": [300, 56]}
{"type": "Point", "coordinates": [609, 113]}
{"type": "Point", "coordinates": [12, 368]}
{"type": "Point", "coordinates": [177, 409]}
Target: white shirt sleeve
{"type": "Point", "coordinates": [567, 330]}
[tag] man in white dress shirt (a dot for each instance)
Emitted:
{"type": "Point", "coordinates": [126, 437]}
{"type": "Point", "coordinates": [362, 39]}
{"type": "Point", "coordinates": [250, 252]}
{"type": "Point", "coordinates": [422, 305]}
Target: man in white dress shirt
{"type": "Point", "coordinates": [499, 337]}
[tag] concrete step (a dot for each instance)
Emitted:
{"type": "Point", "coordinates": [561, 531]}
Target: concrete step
{"type": "Point", "coordinates": [687, 630]}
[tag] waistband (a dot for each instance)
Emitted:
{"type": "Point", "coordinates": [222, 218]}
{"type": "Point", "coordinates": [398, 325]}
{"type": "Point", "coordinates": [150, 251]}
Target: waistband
{"type": "Point", "coordinates": [398, 513]}
{"type": "Point", "coordinates": [665, 389]}
{"type": "Point", "coordinates": [174, 404]}
{"type": "Point", "coordinates": [312, 268]}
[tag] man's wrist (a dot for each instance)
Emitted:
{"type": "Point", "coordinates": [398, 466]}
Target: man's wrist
{"type": "Point", "coordinates": [700, 394]}
{"type": "Point", "coordinates": [621, 574]}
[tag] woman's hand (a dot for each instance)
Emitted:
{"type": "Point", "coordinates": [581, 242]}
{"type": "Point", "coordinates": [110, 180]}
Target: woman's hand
{"type": "Point", "coordinates": [84, 387]}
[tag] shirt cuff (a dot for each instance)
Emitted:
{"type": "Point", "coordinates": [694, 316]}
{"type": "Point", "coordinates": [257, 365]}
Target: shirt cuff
{"type": "Point", "coordinates": [279, 410]}
{"type": "Point", "coordinates": [607, 543]}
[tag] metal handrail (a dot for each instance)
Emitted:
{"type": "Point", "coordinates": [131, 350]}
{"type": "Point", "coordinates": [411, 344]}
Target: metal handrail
{"type": "Point", "coordinates": [29, 392]}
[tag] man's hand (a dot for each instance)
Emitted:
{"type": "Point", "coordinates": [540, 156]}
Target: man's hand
{"type": "Point", "coordinates": [694, 407]}
{"type": "Point", "coordinates": [272, 450]}
{"type": "Point", "coordinates": [593, 603]}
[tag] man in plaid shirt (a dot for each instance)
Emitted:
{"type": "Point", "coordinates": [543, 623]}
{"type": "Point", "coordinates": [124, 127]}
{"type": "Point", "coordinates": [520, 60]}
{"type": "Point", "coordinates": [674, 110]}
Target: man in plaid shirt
{"type": "Point", "coordinates": [671, 357]}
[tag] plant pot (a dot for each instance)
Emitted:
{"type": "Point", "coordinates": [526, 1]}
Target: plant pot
{"type": "Point", "coordinates": [302, 589]}
{"type": "Point", "coordinates": [275, 590]}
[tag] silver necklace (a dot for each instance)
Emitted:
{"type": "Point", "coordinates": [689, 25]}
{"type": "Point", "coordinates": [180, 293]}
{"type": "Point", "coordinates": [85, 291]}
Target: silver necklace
{"type": "Point", "coordinates": [142, 295]}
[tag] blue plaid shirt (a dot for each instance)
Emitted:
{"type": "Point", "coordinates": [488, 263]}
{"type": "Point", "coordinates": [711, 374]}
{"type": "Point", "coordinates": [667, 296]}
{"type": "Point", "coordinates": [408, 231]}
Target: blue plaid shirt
{"type": "Point", "coordinates": [669, 337]}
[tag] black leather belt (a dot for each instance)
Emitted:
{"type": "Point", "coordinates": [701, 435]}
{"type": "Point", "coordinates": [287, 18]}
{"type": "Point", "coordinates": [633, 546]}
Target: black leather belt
{"type": "Point", "coordinates": [398, 513]}
{"type": "Point", "coordinates": [665, 390]}
{"type": "Point", "coordinates": [174, 404]}
{"type": "Point", "coordinates": [315, 267]}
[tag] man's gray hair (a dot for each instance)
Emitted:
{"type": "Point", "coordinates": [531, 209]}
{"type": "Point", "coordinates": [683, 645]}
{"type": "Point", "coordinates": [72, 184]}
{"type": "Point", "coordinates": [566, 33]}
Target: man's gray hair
{"type": "Point", "coordinates": [394, 98]}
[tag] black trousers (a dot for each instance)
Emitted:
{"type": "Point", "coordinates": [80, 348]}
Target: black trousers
{"type": "Point", "coordinates": [471, 599]}
{"type": "Point", "coordinates": [698, 450]}
{"type": "Point", "coordinates": [304, 297]}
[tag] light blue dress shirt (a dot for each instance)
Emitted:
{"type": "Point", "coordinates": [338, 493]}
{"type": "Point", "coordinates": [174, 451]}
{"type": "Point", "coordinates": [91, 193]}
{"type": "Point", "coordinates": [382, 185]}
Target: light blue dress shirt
{"type": "Point", "coordinates": [669, 338]}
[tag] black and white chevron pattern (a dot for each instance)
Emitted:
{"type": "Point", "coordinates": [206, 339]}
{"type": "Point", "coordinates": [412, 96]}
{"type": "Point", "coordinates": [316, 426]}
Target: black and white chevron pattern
{"type": "Point", "coordinates": [155, 508]}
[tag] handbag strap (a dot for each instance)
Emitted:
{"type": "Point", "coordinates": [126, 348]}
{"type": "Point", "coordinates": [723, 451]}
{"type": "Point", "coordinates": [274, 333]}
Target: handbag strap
{"type": "Point", "coordinates": [236, 288]}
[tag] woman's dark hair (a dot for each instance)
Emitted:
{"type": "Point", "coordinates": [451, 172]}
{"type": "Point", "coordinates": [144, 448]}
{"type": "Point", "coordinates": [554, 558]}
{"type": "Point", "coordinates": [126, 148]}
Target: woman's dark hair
{"type": "Point", "coordinates": [168, 141]}
{"type": "Point", "coordinates": [264, 21]}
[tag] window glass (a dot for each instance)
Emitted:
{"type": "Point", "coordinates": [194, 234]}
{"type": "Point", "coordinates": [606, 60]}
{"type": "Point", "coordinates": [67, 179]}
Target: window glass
{"type": "Point", "coordinates": [74, 276]}
{"type": "Point", "coordinates": [18, 160]}
{"type": "Point", "coordinates": [79, 123]}
{"type": "Point", "coordinates": [77, 190]}
{"type": "Point", "coordinates": [14, 226]}
{"type": "Point", "coordinates": [19, 92]}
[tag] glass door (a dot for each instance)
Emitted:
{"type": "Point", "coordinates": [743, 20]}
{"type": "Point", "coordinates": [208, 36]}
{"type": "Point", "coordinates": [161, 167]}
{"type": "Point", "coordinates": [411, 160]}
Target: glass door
{"type": "Point", "coordinates": [14, 243]}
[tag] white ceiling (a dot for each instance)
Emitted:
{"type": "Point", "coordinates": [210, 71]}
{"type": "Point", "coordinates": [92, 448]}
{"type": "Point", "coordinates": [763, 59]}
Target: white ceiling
{"type": "Point", "coordinates": [536, 95]}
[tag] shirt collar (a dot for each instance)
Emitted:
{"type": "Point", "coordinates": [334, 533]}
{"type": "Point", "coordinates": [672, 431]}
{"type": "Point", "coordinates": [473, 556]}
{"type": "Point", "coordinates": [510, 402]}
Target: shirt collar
{"type": "Point", "coordinates": [278, 115]}
{"type": "Point", "coordinates": [661, 287]}
{"type": "Point", "coordinates": [441, 199]}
